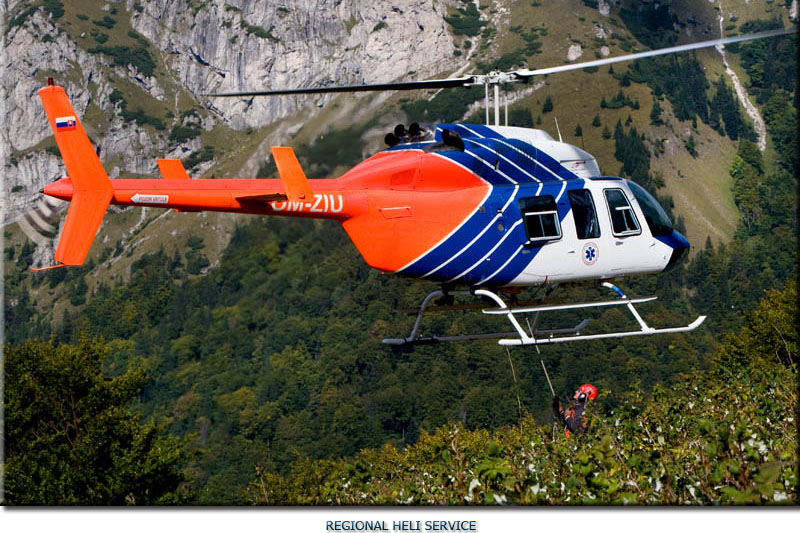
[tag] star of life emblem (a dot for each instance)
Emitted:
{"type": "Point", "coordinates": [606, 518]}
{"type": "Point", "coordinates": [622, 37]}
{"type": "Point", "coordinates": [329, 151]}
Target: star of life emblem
{"type": "Point", "coordinates": [590, 253]}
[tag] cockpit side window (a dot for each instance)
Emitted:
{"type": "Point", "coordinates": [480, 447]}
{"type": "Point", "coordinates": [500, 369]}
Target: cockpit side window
{"type": "Point", "coordinates": [584, 213]}
{"type": "Point", "coordinates": [654, 214]}
{"type": "Point", "coordinates": [540, 218]}
{"type": "Point", "coordinates": [623, 219]}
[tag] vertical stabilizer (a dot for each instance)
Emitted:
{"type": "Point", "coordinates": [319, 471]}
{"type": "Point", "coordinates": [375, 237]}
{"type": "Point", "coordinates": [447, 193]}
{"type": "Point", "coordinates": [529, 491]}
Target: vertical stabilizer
{"type": "Point", "coordinates": [172, 169]}
{"type": "Point", "coordinates": [292, 176]}
{"type": "Point", "coordinates": [92, 188]}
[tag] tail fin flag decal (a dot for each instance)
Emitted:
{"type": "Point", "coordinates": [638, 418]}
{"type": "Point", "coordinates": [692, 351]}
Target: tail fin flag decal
{"type": "Point", "coordinates": [92, 189]}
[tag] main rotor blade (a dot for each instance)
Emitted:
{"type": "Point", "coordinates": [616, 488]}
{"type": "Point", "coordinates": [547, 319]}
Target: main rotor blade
{"type": "Point", "coordinates": [393, 86]}
{"type": "Point", "coordinates": [525, 73]}
{"type": "Point", "coordinates": [495, 78]}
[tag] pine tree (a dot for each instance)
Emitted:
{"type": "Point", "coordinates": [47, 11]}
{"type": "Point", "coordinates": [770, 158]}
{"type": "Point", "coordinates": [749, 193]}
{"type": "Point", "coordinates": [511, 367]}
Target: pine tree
{"type": "Point", "coordinates": [596, 121]}
{"type": "Point", "coordinates": [548, 105]}
{"type": "Point", "coordinates": [715, 121]}
{"type": "Point", "coordinates": [729, 109]}
{"type": "Point", "coordinates": [520, 117]}
{"type": "Point", "coordinates": [71, 439]}
{"type": "Point", "coordinates": [578, 131]}
{"type": "Point", "coordinates": [655, 114]}
{"type": "Point", "coordinates": [618, 132]}
{"type": "Point", "coordinates": [690, 145]}
{"type": "Point", "coordinates": [750, 153]}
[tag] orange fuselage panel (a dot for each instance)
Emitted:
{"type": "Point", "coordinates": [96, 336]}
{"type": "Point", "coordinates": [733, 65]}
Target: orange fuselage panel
{"type": "Point", "coordinates": [395, 206]}
{"type": "Point", "coordinates": [415, 200]}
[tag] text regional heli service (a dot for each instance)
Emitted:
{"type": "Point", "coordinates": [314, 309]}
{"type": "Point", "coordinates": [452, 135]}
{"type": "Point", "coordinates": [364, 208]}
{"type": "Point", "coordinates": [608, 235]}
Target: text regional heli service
{"type": "Point", "coordinates": [401, 525]}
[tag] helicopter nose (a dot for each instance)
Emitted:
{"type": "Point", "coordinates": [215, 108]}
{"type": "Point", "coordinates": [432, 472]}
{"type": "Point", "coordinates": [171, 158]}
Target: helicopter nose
{"type": "Point", "coordinates": [679, 244]}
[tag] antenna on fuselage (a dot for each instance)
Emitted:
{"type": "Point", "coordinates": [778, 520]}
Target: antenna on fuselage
{"type": "Point", "coordinates": [558, 130]}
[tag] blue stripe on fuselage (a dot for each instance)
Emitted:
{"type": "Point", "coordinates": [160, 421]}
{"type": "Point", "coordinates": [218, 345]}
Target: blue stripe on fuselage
{"type": "Point", "coordinates": [509, 255]}
{"type": "Point", "coordinates": [458, 241]}
{"type": "Point", "coordinates": [472, 130]}
{"type": "Point", "coordinates": [674, 240]}
{"type": "Point", "coordinates": [503, 163]}
{"type": "Point", "coordinates": [471, 257]}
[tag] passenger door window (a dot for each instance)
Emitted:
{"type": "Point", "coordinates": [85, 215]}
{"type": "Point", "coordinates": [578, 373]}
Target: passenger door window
{"type": "Point", "coordinates": [540, 217]}
{"type": "Point", "coordinates": [584, 213]}
{"type": "Point", "coordinates": [623, 219]}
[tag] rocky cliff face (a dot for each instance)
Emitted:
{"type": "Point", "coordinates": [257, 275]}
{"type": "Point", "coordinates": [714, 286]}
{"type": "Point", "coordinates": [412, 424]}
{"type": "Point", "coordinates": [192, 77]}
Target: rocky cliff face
{"type": "Point", "coordinates": [222, 45]}
{"type": "Point", "coordinates": [241, 45]}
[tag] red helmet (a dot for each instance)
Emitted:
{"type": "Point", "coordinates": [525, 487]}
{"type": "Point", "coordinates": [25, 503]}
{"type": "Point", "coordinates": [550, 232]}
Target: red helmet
{"type": "Point", "coordinates": [589, 390]}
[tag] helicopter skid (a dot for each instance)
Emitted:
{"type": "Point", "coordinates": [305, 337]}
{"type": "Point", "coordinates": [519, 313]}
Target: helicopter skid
{"type": "Point", "coordinates": [532, 336]}
{"type": "Point", "coordinates": [648, 331]}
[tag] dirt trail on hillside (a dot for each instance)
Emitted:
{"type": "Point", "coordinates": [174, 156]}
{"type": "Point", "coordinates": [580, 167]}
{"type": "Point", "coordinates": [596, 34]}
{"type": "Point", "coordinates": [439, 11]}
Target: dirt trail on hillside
{"type": "Point", "coordinates": [752, 111]}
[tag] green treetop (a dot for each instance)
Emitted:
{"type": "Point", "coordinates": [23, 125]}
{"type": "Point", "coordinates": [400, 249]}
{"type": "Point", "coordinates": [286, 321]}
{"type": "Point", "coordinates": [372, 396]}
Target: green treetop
{"type": "Point", "coordinates": [70, 437]}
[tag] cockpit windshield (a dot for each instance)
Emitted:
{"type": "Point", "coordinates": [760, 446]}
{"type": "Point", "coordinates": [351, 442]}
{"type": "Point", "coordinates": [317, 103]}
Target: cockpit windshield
{"type": "Point", "coordinates": [654, 214]}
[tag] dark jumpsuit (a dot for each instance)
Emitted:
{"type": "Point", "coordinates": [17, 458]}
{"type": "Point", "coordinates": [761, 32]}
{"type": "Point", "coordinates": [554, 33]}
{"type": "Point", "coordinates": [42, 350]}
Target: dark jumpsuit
{"type": "Point", "coordinates": [572, 423]}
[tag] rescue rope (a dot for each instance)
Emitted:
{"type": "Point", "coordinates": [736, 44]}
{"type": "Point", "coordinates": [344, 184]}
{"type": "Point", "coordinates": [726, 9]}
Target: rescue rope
{"type": "Point", "coordinates": [550, 384]}
{"type": "Point", "coordinates": [548, 378]}
{"type": "Point", "coordinates": [516, 386]}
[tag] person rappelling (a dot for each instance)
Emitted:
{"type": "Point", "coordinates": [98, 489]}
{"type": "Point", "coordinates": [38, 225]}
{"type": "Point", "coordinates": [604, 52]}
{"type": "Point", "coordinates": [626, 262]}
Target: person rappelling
{"type": "Point", "coordinates": [572, 417]}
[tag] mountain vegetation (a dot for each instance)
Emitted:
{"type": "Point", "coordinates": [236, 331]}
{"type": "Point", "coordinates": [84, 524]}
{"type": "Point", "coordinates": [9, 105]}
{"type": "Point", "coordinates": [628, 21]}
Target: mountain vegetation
{"type": "Point", "coordinates": [70, 437]}
{"type": "Point", "coordinates": [723, 436]}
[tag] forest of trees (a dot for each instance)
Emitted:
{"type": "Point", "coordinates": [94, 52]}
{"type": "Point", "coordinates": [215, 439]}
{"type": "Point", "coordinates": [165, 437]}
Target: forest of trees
{"type": "Point", "coordinates": [723, 436]}
{"type": "Point", "coordinates": [70, 436]}
{"type": "Point", "coordinates": [271, 362]}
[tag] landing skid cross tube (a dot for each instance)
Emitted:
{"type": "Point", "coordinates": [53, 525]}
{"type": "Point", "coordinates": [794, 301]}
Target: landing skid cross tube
{"type": "Point", "coordinates": [532, 336]}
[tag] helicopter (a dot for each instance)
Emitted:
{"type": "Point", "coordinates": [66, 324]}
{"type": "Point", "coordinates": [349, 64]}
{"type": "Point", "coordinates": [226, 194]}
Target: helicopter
{"type": "Point", "coordinates": [488, 207]}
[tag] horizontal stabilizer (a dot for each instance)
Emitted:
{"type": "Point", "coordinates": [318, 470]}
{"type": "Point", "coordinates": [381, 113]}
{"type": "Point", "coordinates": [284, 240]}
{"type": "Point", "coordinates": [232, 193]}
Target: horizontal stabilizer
{"type": "Point", "coordinates": [262, 198]}
{"type": "Point", "coordinates": [291, 174]}
{"type": "Point", "coordinates": [172, 169]}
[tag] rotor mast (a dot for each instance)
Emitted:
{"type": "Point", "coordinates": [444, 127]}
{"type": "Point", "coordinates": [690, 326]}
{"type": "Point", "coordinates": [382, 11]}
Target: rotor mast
{"type": "Point", "coordinates": [495, 79]}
